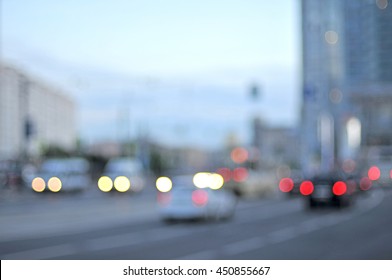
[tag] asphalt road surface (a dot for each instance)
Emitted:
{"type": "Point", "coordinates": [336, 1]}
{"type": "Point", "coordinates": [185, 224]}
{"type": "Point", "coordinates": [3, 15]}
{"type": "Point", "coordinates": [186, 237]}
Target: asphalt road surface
{"type": "Point", "coordinates": [104, 226]}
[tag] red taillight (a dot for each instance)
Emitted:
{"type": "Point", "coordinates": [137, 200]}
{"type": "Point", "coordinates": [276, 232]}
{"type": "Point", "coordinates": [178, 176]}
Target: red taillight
{"type": "Point", "coordinates": [365, 184]}
{"type": "Point", "coordinates": [374, 173]}
{"type": "Point", "coordinates": [306, 188]}
{"type": "Point", "coordinates": [240, 174]}
{"type": "Point", "coordinates": [339, 188]}
{"type": "Point", "coordinates": [199, 197]}
{"type": "Point", "coordinates": [225, 173]}
{"type": "Point", "coordinates": [164, 198]}
{"type": "Point", "coordinates": [286, 185]}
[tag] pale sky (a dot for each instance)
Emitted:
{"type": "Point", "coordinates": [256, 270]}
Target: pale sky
{"type": "Point", "coordinates": [220, 42]}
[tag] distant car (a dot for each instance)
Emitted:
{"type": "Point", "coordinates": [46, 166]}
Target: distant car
{"type": "Point", "coordinates": [333, 189]}
{"type": "Point", "coordinates": [187, 202]}
{"type": "Point", "coordinates": [62, 175]}
{"type": "Point", "coordinates": [122, 174]}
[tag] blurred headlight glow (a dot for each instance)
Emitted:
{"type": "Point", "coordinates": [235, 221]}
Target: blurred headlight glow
{"type": "Point", "coordinates": [164, 184]}
{"type": "Point", "coordinates": [54, 184]}
{"type": "Point", "coordinates": [201, 180]}
{"type": "Point", "coordinates": [38, 184]}
{"type": "Point", "coordinates": [217, 181]}
{"type": "Point", "coordinates": [208, 180]}
{"type": "Point", "coordinates": [122, 184]}
{"type": "Point", "coordinates": [105, 184]}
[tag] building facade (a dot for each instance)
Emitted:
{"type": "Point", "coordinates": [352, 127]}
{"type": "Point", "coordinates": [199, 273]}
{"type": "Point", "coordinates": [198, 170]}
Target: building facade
{"type": "Point", "coordinates": [347, 78]}
{"type": "Point", "coordinates": [32, 116]}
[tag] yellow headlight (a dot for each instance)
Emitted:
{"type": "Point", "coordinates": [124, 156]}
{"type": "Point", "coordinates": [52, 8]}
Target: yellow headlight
{"type": "Point", "coordinates": [164, 184]}
{"type": "Point", "coordinates": [122, 184]}
{"type": "Point", "coordinates": [54, 184]}
{"type": "Point", "coordinates": [38, 184]}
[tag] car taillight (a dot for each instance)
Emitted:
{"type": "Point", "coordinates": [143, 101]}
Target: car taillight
{"type": "Point", "coordinates": [365, 184]}
{"type": "Point", "coordinates": [164, 198]}
{"type": "Point", "coordinates": [240, 174]}
{"type": "Point", "coordinates": [199, 197]}
{"type": "Point", "coordinates": [374, 173]}
{"type": "Point", "coordinates": [339, 188]}
{"type": "Point", "coordinates": [306, 188]}
{"type": "Point", "coordinates": [286, 185]}
{"type": "Point", "coordinates": [225, 173]}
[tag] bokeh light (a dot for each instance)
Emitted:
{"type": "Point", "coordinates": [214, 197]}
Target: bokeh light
{"type": "Point", "coordinates": [213, 181]}
{"type": "Point", "coordinates": [306, 188]}
{"type": "Point", "coordinates": [199, 197]}
{"type": "Point", "coordinates": [365, 184]}
{"type": "Point", "coordinates": [286, 185]}
{"type": "Point", "coordinates": [225, 173]}
{"type": "Point", "coordinates": [201, 180]}
{"type": "Point", "coordinates": [105, 184]}
{"type": "Point", "coordinates": [331, 37]}
{"type": "Point", "coordinates": [164, 184]}
{"type": "Point", "coordinates": [374, 173]}
{"type": "Point", "coordinates": [239, 155]}
{"type": "Point", "coordinates": [349, 166]}
{"type": "Point", "coordinates": [38, 184]}
{"type": "Point", "coordinates": [382, 4]}
{"type": "Point", "coordinates": [216, 181]}
{"type": "Point", "coordinates": [339, 188]}
{"type": "Point", "coordinates": [240, 174]}
{"type": "Point", "coordinates": [54, 184]}
{"type": "Point", "coordinates": [122, 184]}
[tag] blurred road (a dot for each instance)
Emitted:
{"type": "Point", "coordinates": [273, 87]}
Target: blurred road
{"type": "Point", "coordinates": [104, 226]}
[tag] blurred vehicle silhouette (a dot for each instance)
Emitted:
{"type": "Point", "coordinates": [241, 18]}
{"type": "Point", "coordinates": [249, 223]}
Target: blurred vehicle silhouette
{"type": "Point", "coordinates": [11, 174]}
{"type": "Point", "coordinates": [122, 174]}
{"type": "Point", "coordinates": [62, 175]}
{"type": "Point", "coordinates": [333, 189]}
{"type": "Point", "coordinates": [187, 202]}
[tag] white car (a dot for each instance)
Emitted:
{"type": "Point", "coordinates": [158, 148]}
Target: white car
{"type": "Point", "coordinates": [122, 174]}
{"type": "Point", "coordinates": [186, 202]}
{"type": "Point", "coordinates": [62, 175]}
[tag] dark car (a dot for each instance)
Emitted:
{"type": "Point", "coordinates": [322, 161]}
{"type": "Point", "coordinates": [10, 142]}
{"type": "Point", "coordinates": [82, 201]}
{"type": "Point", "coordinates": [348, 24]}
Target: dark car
{"type": "Point", "coordinates": [333, 189]}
